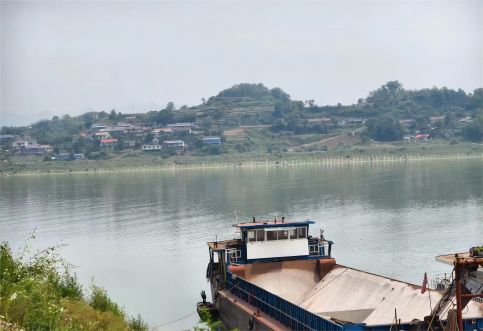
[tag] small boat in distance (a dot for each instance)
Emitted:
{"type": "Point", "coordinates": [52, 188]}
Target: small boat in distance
{"type": "Point", "coordinates": [278, 277]}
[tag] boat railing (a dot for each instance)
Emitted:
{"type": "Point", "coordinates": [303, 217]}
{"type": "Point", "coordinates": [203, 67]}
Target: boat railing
{"type": "Point", "coordinates": [233, 255]}
{"type": "Point", "coordinates": [289, 314]}
{"type": "Point", "coordinates": [441, 281]}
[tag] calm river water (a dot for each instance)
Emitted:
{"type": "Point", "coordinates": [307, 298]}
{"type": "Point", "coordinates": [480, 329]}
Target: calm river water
{"type": "Point", "coordinates": [143, 235]}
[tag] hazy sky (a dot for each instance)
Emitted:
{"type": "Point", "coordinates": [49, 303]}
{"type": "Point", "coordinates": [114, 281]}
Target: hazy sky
{"type": "Point", "coordinates": [72, 57]}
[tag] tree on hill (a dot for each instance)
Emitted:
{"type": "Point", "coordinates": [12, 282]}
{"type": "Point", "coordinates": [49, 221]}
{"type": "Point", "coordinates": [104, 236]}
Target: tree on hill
{"type": "Point", "coordinates": [474, 130]}
{"type": "Point", "coordinates": [476, 99]}
{"type": "Point", "coordinates": [384, 129]}
{"type": "Point", "coordinates": [164, 117]}
{"type": "Point", "coordinates": [279, 94]}
{"type": "Point", "coordinates": [57, 131]}
{"type": "Point", "coordinates": [281, 108]}
{"type": "Point", "coordinates": [245, 90]}
{"type": "Point", "coordinates": [170, 106]}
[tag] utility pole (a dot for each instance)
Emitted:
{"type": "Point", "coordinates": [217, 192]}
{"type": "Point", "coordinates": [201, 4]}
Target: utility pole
{"type": "Point", "coordinates": [459, 314]}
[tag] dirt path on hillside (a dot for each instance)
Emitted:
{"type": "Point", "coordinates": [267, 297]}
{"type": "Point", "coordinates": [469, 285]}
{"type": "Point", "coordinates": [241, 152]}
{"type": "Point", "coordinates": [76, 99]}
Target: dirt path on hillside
{"type": "Point", "coordinates": [333, 142]}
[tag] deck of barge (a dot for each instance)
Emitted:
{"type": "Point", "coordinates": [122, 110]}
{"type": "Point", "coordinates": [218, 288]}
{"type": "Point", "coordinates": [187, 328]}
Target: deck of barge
{"type": "Point", "coordinates": [344, 294]}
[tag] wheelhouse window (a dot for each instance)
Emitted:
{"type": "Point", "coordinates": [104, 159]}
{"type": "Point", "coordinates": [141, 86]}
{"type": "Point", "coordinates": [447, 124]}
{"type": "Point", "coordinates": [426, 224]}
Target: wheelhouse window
{"type": "Point", "coordinates": [277, 234]}
{"type": "Point", "coordinates": [256, 235]}
{"type": "Point", "coordinates": [282, 234]}
{"type": "Point", "coordinates": [302, 232]}
{"type": "Point", "coordinates": [251, 236]}
{"type": "Point", "coordinates": [271, 235]}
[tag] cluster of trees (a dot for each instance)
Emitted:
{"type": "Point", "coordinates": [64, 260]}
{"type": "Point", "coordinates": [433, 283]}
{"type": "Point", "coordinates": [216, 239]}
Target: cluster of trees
{"type": "Point", "coordinates": [291, 115]}
{"type": "Point", "coordinates": [169, 115]}
{"type": "Point", "coordinates": [391, 102]}
{"type": "Point", "coordinates": [384, 129]}
{"type": "Point", "coordinates": [392, 99]}
{"type": "Point", "coordinates": [474, 130]}
{"type": "Point", "coordinates": [253, 92]}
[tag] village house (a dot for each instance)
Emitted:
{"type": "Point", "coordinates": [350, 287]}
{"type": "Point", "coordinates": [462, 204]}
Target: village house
{"type": "Point", "coordinates": [323, 120]}
{"type": "Point", "coordinates": [408, 139]}
{"type": "Point", "coordinates": [407, 122]}
{"type": "Point", "coordinates": [178, 144]}
{"type": "Point", "coordinates": [115, 130]}
{"type": "Point", "coordinates": [422, 137]}
{"type": "Point", "coordinates": [151, 147]}
{"type": "Point", "coordinates": [101, 135]}
{"type": "Point", "coordinates": [62, 157]}
{"type": "Point", "coordinates": [355, 121]}
{"type": "Point", "coordinates": [211, 140]}
{"type": "Point", "coordinates": [36, 149]}
{"type": "Point", "coordinates": [130, 128]}
{"type": "Point", "coordinates": [130, 119]}
{"type": "Point", "coordinates": [68, 157]}
{"type": "Point", "coordinates": [434, 119]}
{"type": "Point", "coordinates": [162, 131]}
{"type": "Point", "coordinates": [129, 143]}
{"type": "Point", "coordinates": [182, 127]}
{"type": "Point", "coordinates": [466, 120]}
{"type": "Point", "coordinates": [97, 127]}
{"type": "Point", "coordinates": [20, 144]}
{"type": "Point", "coordinates": [107, 143]}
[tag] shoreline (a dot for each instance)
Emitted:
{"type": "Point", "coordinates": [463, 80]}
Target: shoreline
{"type": "Point", "coordinates": [348, 160]}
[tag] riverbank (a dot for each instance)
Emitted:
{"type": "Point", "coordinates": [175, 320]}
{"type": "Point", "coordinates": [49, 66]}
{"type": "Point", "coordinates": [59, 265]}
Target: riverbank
{"type": "Point", "coordinates": [352, 155]}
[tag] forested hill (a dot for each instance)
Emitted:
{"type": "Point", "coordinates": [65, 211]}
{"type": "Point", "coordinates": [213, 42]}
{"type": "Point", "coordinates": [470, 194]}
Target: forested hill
{"type": "Point", "coordinates": [386, 114]}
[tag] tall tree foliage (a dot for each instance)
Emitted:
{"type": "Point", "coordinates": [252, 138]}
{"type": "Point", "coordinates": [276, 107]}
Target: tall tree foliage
{"type": "Point", "coordinates": [384, 129]}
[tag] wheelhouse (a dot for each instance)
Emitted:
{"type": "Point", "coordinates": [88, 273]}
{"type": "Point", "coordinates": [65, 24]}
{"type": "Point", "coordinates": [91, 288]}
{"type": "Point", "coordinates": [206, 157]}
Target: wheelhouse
{"type": "Point", "coordinates": [276, 240]}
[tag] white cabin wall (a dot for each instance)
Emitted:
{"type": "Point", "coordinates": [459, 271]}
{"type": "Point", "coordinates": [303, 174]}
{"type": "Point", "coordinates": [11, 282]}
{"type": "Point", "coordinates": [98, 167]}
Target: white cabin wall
{"type": "Point", "coordinates": [277, 248]}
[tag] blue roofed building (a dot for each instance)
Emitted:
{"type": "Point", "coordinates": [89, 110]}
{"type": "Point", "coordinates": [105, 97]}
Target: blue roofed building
{"type": "Point", "coordinates": [211, 141]}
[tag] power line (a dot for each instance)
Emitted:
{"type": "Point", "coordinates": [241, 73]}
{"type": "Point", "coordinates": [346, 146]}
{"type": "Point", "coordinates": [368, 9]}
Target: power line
{"type": "Point", "coordinates": [186, 316]}
{"type": "Point", "coordinates": [174, 321]}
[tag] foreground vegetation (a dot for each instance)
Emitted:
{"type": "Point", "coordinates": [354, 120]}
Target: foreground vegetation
{"type": "Point", "coordinates": [39, 291]}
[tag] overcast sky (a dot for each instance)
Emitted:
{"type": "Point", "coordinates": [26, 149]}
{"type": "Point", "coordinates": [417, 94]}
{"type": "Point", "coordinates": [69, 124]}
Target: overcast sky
{"type": "Point", "coordinates": [74, 57]}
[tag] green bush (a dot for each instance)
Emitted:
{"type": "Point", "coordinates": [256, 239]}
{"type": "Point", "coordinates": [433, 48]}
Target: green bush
{"type": "Point", "coordinates": [138, 324]}
{"type": "Point", "coordinates": [99, 300]}
{"type": "Point", "coordinates": [38, 291]}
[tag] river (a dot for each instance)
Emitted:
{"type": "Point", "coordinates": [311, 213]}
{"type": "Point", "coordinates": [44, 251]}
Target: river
{"type": "Point", "coordinates": [143, 235]}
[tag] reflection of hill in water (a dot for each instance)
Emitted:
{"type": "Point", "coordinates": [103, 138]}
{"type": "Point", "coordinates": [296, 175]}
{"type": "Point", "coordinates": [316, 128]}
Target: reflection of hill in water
{"type": "Point", "coordinates": [263, 191]}
{"type": "Point", "coordinates": [399, 186]}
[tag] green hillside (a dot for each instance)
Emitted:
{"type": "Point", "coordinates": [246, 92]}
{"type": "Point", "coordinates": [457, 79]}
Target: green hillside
{"type": "Point", "coordinates": [256, 120]}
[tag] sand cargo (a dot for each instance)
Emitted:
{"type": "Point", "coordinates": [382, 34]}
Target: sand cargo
{"type": "Point", "coordinates": [276, 276]}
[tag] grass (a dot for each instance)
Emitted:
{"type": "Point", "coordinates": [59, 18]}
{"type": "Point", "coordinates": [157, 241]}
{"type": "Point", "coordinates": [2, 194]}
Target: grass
{"type": "Point", "coordinates": [38, 291]}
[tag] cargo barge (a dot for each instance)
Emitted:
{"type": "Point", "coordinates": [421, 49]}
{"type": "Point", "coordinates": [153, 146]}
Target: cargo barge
{"type": "Point", "coordinates": [276, 276]}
